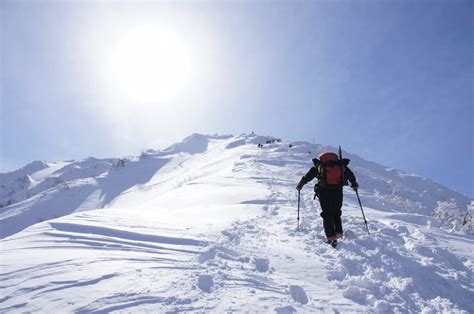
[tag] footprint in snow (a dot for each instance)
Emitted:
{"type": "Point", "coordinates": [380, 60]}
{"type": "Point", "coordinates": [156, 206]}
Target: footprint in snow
{"type": "Point", "coordinates": [261, 264]}
{"type": "Point", "coordinates": [205, 283]}
{"type": "Point", "coordinates": [285, 310]}
{"type": "Point", "coordinates": [207, 255]}
{"type": "Point", "coordinates": [298, 294]}
{"type": "Point", "coordinates": [349, 234]}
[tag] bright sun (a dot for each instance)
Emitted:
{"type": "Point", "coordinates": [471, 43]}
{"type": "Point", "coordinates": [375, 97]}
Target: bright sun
{"type": "Point", "coordinates": [151, 64]}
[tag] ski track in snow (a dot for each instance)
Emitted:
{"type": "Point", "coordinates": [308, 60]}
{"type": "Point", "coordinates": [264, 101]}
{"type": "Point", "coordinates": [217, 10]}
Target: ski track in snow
{"type": "Point", "coordinates": [161, 258]}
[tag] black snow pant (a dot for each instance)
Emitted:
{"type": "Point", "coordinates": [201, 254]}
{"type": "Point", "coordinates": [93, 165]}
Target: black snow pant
{"type": "Point", "coordinates": [331, 203]}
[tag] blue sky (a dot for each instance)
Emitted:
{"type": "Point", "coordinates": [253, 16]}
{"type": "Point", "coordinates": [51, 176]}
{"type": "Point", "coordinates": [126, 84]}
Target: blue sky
{"type": "Point", "coordinates": [389, 80]}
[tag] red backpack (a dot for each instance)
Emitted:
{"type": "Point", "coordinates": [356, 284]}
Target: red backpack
{"type": "Point", "coordinates": [331, 171]}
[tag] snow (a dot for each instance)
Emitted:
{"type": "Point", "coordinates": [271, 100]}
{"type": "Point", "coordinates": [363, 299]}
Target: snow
{"type": "Point", "coordinates": [48, 171]}
{"type": "Point", "coordinates": [205, 283]}
{"type": "Point", "coordinates": [209, 225]}
{"type": "Point", "coordinates": [298, 294]}
{"type": "Point", "coordinates": [261, 264]}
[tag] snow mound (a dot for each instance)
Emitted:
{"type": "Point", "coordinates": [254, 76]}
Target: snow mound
{"type": "Point", "coordinates": [194, 144]}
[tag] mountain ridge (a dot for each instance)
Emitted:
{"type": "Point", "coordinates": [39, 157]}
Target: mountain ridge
{"type": "Point", "coordinates": [21, 179]}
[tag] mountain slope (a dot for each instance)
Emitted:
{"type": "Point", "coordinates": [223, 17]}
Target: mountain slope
{"type": "Point", "coordinates": [209, 224]}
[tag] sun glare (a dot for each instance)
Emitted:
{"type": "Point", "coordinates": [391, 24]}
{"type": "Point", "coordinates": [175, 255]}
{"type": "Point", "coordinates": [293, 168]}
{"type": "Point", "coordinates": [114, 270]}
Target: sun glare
{"type": "Point", "coordinates": [151, 64]}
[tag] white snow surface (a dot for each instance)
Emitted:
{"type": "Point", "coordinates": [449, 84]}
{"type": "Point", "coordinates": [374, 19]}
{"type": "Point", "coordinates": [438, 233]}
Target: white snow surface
{"type": "Point", "coordinates": [209, 225]}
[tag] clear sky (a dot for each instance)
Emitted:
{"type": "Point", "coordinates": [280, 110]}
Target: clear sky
{"type": "Point", "coordinates": [391, 81]}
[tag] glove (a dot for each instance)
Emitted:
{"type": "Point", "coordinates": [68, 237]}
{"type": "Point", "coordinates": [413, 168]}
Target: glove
{"type": "Point", "coordinates": [299, 186]}
{"type": "Point", "coordinates": [316, 191]}
{"type": "Point", "coordinates": [355, 186]}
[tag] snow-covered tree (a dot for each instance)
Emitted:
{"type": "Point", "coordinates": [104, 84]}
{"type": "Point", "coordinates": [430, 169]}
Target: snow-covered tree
{"type": "Point", "coordinates": [454, 218]}
{"type": "Point", "coordinates": [467, 219]}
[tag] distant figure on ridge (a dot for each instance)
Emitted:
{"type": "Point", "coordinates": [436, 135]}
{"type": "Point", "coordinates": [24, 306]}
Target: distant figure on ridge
{"type": "Point", "coordinates": [332, 174]}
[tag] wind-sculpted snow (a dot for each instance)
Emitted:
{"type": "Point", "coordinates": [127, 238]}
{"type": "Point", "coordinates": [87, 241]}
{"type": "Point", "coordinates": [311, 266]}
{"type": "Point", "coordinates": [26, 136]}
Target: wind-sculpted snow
{"type": "Point", "coordinates": [80, 186]}
{"type": "Point", "coordinates": [209, 225]}
{"type": "Point", "coordinates": [195, 144]}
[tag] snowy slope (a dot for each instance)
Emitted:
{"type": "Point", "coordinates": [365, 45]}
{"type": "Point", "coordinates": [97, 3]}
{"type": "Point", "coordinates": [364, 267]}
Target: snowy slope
{"type": "Point", "coordinates": [209, 224]}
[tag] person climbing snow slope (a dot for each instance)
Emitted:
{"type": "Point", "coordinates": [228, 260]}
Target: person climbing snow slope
{"type": "Point", "coordinates": [332, 174]}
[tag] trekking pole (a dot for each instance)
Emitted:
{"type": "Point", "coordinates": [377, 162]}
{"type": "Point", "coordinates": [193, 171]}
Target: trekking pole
{"type": "Point", "coordinates": [298, 219]}
{"type": "Point", "coordinates": [363, 215]}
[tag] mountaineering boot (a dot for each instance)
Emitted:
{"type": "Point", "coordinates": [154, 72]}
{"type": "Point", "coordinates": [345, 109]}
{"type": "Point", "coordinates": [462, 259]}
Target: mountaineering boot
{"type": "Point", "coordinates": [333, 243]}
{"type": "Point", "coordinates": [332, 240]}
